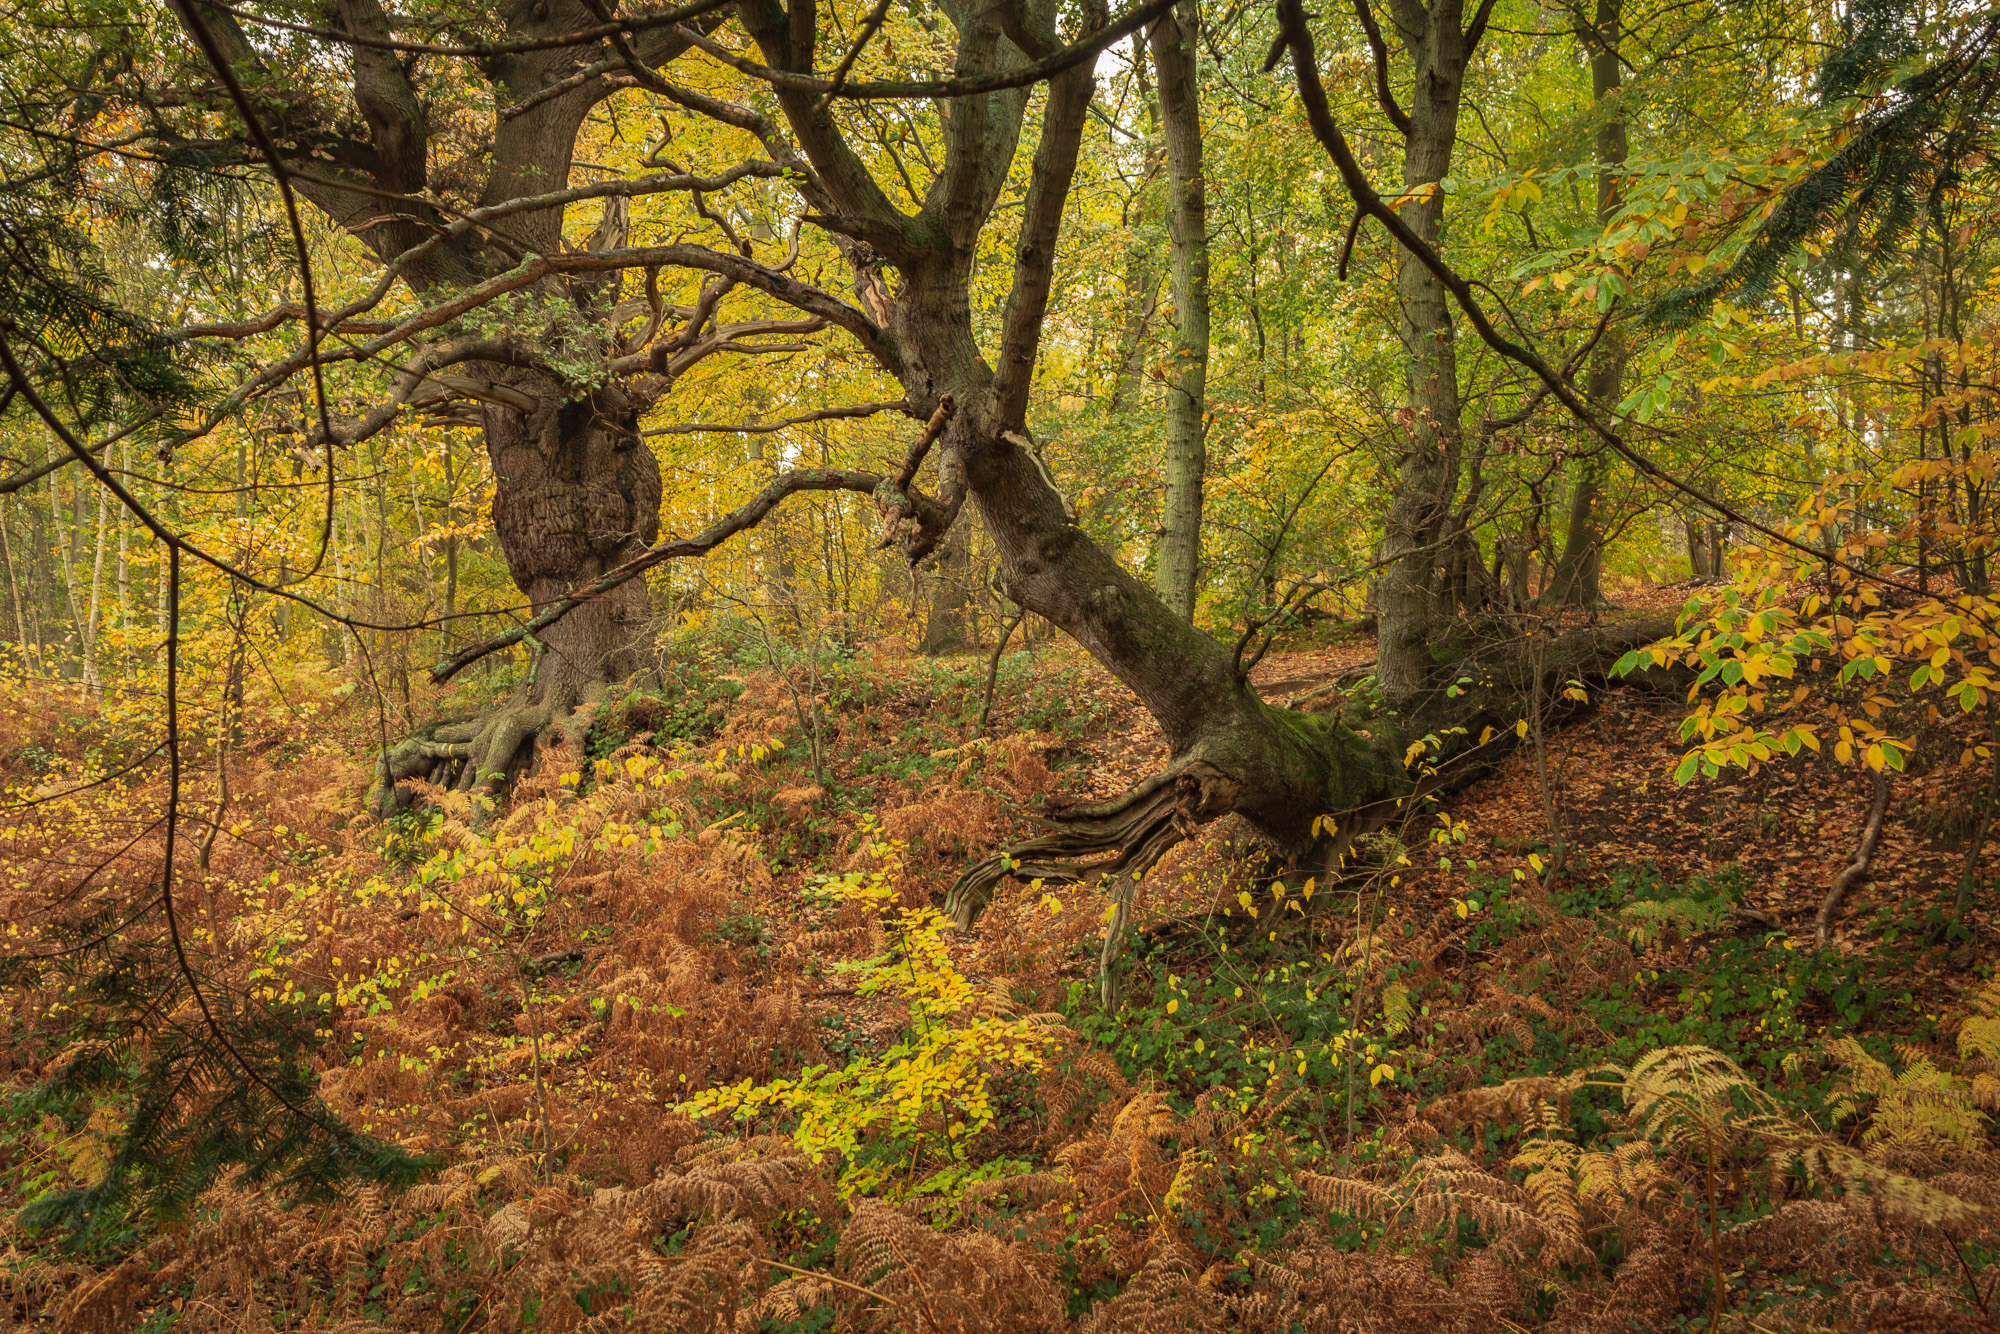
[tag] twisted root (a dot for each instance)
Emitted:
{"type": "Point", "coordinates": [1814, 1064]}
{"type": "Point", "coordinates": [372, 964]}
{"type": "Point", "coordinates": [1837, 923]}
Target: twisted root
{"type": "Point", "coordinates": [1136, 830]}
{"type": "Point", "coordinates": [481, 754]}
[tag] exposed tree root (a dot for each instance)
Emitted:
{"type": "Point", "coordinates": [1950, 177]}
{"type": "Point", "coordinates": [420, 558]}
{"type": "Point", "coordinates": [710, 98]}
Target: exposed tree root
{"type": "Point", "coordinates": [1357, 780]}
{"type": "Point", "coordinates": [479, 754]}
{"type": "Point", "coordinates": [1135, 830]}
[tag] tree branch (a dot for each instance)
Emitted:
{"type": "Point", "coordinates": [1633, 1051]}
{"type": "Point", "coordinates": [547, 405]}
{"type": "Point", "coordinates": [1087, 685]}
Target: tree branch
{"type": "Point", "coordinates": [1075, 54]}
{"type": "Point", "coordinates": [482, 50]}
{"type": "Point", "coordinates": [745, 517]}
{"type": "Point", "coordinates": [768, 428]}
{"type": "Point", "coordinates": [1397, 116]}
{"type": "Point", "coordinates": [1035, 253]}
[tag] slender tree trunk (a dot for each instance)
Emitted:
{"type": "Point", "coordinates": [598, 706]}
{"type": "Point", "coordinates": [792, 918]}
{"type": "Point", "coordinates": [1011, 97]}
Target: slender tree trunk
{"type": "Point", "coordinates": [1697, 544]}
{"type": "Point", "coordinates": [14, 595]}
{"type": "Point", "coordinates": [1177, 560]}
{"type": "Point", "coordinates": [1578, 578]}
{"type": "Point", "coordinates": [125, 565]}
{"type": "Point", "coordinates": [168, 509]}
{"type": "Point", "coordinates": [66, 533]}
{"type": "Point", "coordinates": [92, 683]}
{"type": "Point", "coordinates": [1142, 300]}
{"type": "Point", "coordinates": [1405, 594]}
{"type": "Point", "coordinates": [450, 551]}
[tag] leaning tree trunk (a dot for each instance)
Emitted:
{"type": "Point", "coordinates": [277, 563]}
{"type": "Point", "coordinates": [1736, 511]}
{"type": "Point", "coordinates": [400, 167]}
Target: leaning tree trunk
{"type": "Point", "coordinates": [576, 492]}
{"type": "Point", "coordinates": [1229, 750]}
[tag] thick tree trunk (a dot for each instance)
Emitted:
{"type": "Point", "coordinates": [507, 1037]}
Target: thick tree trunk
{"type": "Point", "coordinates": [1405, 595]}
{"type": "Point", "coordinates": [944, 620]}
{"type": "Point", "coordinates": [576, 492]}
{"type": "Point", "coordinates": [1177, 559]}
{"type": "Point", "coordinates": [1578, 580]}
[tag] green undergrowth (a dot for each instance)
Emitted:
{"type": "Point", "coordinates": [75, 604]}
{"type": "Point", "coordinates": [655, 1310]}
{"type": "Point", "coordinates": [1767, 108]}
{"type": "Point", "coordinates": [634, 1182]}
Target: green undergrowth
{"type": "Point", "coordinates": [1296, 1016]}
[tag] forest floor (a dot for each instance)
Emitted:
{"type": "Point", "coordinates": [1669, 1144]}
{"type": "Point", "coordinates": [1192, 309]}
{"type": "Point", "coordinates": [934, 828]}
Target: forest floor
{"type": "Point", "coordinates": [689, 1050]}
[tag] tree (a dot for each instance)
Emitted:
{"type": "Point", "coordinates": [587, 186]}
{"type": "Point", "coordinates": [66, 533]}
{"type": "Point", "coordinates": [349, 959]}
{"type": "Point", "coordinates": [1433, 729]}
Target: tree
{"type": "Point", "coordinates": [556, 364]}
{"type": "Point", "coordinates": [540, 340]}
{"type": "Point", "coordinates": [1577, 580]}
{"type": "Point", "coordinates": [1438, 41]}
{"type": "Point", "coordinates": [1177, 562]}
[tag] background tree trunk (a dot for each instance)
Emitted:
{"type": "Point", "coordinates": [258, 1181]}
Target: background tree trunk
{"type": "Point", "coordinates": [1697, 543]}
{"type": "Point", "coordinates": [945, 618]}
{"type": "Point", "coordinates": [1177, 560]}
{"type": "Point", "coordinates": [1578, 580]}
{"type": "Point", "coordinates": [1405, 595]}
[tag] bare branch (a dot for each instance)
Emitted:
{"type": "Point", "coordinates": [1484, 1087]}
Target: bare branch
{"type": "Point", "coordinates": [869, 26]}
{"type": "Point", "coordinates": [1070, 56]}
{"type": "Point", "coordinates": [747, 516]}
{"type": "Point", "coordinates": [1380, 49]}
{"type": "Point", "coordinates": [767, 428]}
{"type": "Point", "coordinates": [29, 476]}
{"type": "Point", "coordinates": [479, 50]}
{"type": "Point", "coordinates": [271, 319]}
{"type": "Point", "coordinates": [1035, 251]}
{"type": "Point", "coordinates": [894, 499]}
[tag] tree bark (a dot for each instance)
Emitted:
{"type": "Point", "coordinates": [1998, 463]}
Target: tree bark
{"type": "Point", "coordinates": [577, 492]}
{"type": "Point", "coordinates": [1697, 544]}
{"type": "Point", "coordinates": [1405, 595]}
{"type": "Point", "coordinates": [944, 620]}
{"type": "Point", "coordinates": [1177, 557]}
{"type": "Point", "coordinates": [1578, 579]}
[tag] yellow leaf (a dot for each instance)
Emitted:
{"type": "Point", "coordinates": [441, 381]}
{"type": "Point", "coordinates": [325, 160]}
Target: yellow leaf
{"type": "Point", "coordinates": [1535, 860]}
{"type": "Point", "coordinates": [1521, 728]}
